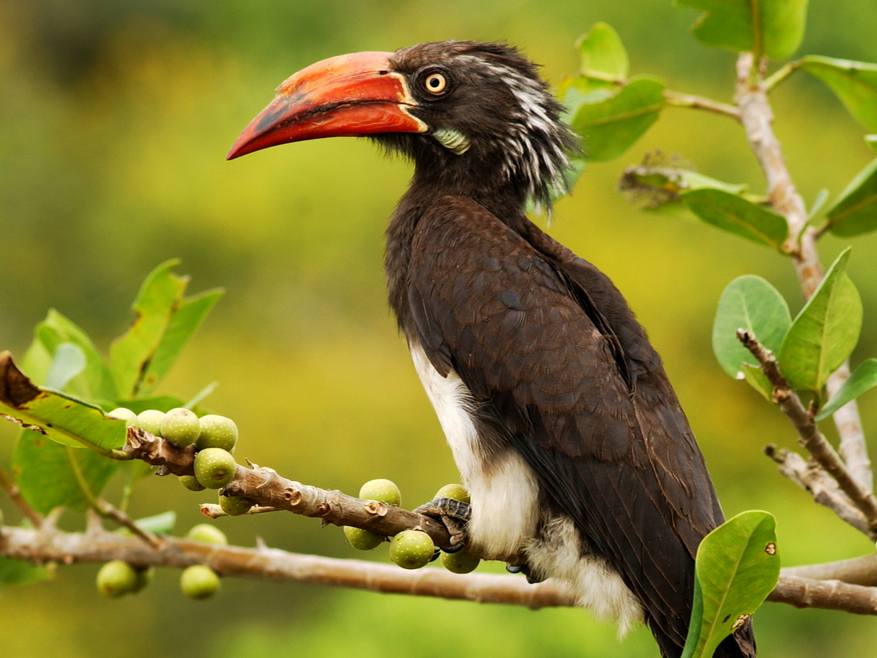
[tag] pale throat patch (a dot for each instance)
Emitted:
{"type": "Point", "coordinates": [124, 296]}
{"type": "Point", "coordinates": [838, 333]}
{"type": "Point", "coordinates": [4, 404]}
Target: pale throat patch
{"type": "Point", "coordinates": [452, 139]}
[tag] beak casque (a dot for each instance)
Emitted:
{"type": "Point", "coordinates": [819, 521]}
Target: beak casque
{"type": "Point", "coordinates": [342, 96]}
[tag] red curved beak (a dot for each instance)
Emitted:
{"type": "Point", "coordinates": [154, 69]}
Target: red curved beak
{"type": "Point", "coordinates": [342, 96]}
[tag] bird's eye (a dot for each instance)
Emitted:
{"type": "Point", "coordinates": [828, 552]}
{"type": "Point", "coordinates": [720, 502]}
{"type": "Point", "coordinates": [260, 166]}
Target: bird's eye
{"type": "Point", "coordinates": [435, 83]}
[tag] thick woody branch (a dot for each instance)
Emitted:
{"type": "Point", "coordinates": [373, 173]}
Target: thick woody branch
{"type": "Point", "coordinates": [757, 117]}
{"type": "Point", "coordinates": [268, 489]}
{"type": "Point", "coordinates": [858, 571]}
{"type": "Point", "coordinates": [825, 491]}
{"type": "Point", "coordinates": [274, 564]}
{"type": "Point", "coordinates": [809, 435]}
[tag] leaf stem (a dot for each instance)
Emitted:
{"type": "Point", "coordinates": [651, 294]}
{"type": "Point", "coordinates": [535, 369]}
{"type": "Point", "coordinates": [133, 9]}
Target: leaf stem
{"type": "Point", "coordinates": [14, 494]}
{"type": "Point", "coordinates": [105, 509]}
{"type": "Point", "coordinates": [700, 103]}
{"type": "Point", "coordinates": [780, 75]}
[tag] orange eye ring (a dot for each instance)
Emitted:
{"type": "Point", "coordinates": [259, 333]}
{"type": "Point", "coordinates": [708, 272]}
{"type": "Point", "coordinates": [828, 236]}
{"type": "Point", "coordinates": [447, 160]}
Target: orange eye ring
{"type": "Point", "coordinates": [435, 83]}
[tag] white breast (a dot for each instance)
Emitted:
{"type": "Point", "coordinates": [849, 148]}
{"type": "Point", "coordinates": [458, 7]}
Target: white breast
{"type": "Point", "coordinates": [504, 503]}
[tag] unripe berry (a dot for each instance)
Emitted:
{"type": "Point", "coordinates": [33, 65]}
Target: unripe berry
{"type": "Point", "coordinates": [234, 505]}
{"type": "Point", "coordinates": [208, 534]}
{"type": "Point", "coordinates": [454, 492]}
{"type": "Point", "coordinates": [191, 483]}
{"type": "Point", "coordinates": [214, 468]}
{"type": "Point", "coordinates": [459, 562]}
{"type": "Point", "coordinates": [150, 421]}
{"type": "Point", "coordinates": [411, 549]}
{"type": "Point", "coordinates": [180, 427]}
{"type": "Point", "coordinates": [116, 578]}
{"type": "Point", "coordinates": [362, 540]}
{"type": "Point", "coordinates": [124, 414]}
{"type": "Point", "coordinates": [383, 491]}
{"type": "Point", "coordinates": [199, 582]}
{"type": "Point", "coordinates": [217, 432]}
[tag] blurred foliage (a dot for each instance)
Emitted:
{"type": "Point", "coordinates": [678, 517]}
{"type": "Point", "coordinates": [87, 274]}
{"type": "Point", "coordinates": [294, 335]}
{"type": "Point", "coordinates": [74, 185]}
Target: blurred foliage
{"type": "Point", "coordinates": [114, 122]}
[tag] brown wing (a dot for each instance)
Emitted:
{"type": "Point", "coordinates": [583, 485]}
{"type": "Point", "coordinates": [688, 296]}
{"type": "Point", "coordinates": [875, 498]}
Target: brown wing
{"type": "Point", "coordinates": [542, 360]}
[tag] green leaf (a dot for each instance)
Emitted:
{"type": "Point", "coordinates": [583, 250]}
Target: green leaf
{"type": "Point", "coordinates": [660, 188]}
{"type": "Point", "coordinates": [46, 477]}
{"type": "Point", "coordinates": [737, 566]}
{"type": "Point", "coordinates": [611, 126]}
{"type": "Point", "coordinates": [863, 379]}
{"type": "Point", "coordinates": [96, 380]}
{"type": "Point", "coordinates": [579, 90]}
{"type": "Point", "coordinates": [164, 324]}
{"type": "Point", "coordinates": [854, 83]}
{"type": "Point", "coordinates": [855, 212]}
{"type": "Point", "coordinates": [60, 417]}
{"type": "Point", "coordinates": [184, 322]}
{"type": "Point", "coordinates": [19, 572]}
{"type": "Point", "coordinates": [735, 214]}
{"type": "Point", "coordinates": [765, 27]}
{"type": "Point", "coordinates": [160, 402]}
{"type": "Point", "coordinates": [871, 140]}
{"type": "Point", "coordinates": [602, 53]}
{"type": "Point", "coordinates": [69, 361]}
{"type": "Point", "coordinates": [825, 331]}
{"type": "Point", "coordinates": [160, 524]}
{"type": "Point", "coordinates": [161, 293]}
{"type": "Point", "coordinates": [751, 303]}
{"type": "Point", "coordinates": [758, 380]}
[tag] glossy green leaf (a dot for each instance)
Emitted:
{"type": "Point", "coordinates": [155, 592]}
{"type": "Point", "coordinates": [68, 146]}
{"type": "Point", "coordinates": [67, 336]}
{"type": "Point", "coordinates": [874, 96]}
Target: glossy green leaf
{"type": "Point", "coordinates": [602, 53]}
{"type": "Point", "coordinates": [735, 214]}
{"type": "Point", "coordinates": [871, 140]}
{"type": "Point", "coordinates": [863, 379]}
{"type": "Point", "coordinates": [60, 417]}
{"type": "Point", "coordinates": [96, 380]}
{"type": "Point", "coordinates": [160, 524]}
{"type": "Point", "coordinates": [751, 303]}
{"type": "Point", "coordinates": [69, 361]}
{"type": "Point", "coordinates": [854, 83]}
{"type": "Point", "coordinates": [754, 376]}
{"type": "Point", "coordinates": [737, 566]}
{"type": "Point", "coordinates": [20, 572]}
{"type": "Point", "coordinates": [609, 127]}
{"type": "Point", "coordinates": [825, 331]}
{"type": "Point", "coordinates": [855, 211]}
{"type": "Point", "coordinates": [46, 477]}
{"type": "Point", "coordinates": [580, 90]}
{"type": "Point", "coordinates": [766, 27]}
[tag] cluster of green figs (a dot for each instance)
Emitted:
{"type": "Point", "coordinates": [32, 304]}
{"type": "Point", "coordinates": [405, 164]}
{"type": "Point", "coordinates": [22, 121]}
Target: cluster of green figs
{"type": "Point", "coordinates": [410, 549]}
{"type": "Point", "coordinates": [118, 578]}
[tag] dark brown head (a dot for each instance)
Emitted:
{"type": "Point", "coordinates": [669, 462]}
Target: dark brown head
{"type": "Point", "coordinates": [472, 116]}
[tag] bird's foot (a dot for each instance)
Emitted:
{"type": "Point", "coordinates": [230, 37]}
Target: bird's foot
{"type": "Point", "coordinates": [525, 569]}
{"type": "Point", "coordinates": [454, 514]}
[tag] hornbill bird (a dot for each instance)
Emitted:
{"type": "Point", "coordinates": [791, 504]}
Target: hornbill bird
{"type": "Point", "coordinates": [557, 409]}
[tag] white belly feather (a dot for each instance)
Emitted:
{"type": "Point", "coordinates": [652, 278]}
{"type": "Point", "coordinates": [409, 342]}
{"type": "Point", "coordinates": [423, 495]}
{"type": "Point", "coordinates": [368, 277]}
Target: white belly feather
{"type": "Point", "coordinates": [505, 510]}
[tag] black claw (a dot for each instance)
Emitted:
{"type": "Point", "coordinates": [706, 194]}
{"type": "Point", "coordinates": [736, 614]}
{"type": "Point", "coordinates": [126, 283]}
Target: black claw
{"type": "Point", "coordinates": [453, 549]}
{"type": "Point", "coordinates": [435, 555]}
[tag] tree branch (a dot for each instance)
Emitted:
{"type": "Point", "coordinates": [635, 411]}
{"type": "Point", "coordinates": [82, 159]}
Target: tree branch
{"type": "Point", "coordinates": [757, 118]}
{"type": "Point", "coordinates": [825, 491]}
{"type": "Point", "coordinates": [809, 435]}
{"type": "Point", "coordinates": [273, 564]}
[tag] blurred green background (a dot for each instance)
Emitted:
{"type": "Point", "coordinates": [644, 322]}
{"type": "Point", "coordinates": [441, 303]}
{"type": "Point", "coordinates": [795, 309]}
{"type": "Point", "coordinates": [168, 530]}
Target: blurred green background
{"type": "Point", "coordinates": [115, 118]}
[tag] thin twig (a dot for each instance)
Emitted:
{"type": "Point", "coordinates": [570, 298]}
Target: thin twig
{"type": "Point", "coordinates": [14, 494]}
{"type": "Point", "coordinates": [825, 491]}
{"type": "Point", "coordinates": [780, 75]}
{"type": "Point", "coordinates": [700, 103]}
{"type": "Point", "coordinates": [214, 511]}
{"type": "Point", "coordinates": [809, 435]}
{"type": "Point", "coordinates": [107, 510]}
